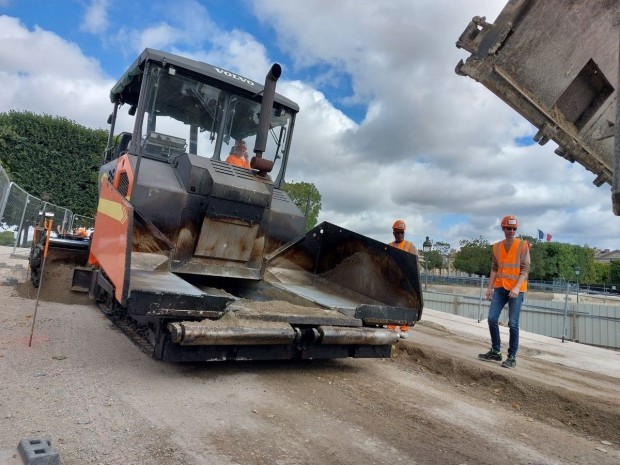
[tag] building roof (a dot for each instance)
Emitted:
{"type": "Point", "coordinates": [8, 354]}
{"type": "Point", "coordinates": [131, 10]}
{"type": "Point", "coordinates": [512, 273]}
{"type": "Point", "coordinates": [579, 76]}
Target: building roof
{"type": "Point", "coordinates": [606, 256]}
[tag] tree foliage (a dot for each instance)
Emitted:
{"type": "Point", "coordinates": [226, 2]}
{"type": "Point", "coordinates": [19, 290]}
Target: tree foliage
{"type": "Point", "coordinates": [601, 273]}
{"type": "Point", "coordinates": [474, 257]}
{"type": "Point", "coordinates": [7, 238]}
{"type": "Point", "coordinates": [443, 248]}
{"type": "Point", "coordinates": [614, 274]}
{"type": "Point", "coordinates": [434, 260]}
{"type": "Point", "coordinates": [552, 260]}
{"type": "Point", "coordinates": [53, 158]}
{"type": "Point", "coordinates": [307, 198]}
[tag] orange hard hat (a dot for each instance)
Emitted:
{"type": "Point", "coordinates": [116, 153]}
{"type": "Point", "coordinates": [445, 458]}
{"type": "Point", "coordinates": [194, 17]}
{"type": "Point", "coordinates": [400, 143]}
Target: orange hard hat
{"type": "Point", "coordinates": [399, 225]}
{"type": "Point", "coordinates": [509, 220]}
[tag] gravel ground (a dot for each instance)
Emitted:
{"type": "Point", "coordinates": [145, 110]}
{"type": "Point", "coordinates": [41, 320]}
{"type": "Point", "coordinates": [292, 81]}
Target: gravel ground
{"type": "Point", "coordinates": [100, 400]}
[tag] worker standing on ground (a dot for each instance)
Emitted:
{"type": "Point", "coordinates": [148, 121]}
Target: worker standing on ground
{"type": "Point", "coordinates": [507, 284]}
{"type": "Point", "coordinates": [239, 155]}
{"type": "Point", "coordinates": [398, 229]}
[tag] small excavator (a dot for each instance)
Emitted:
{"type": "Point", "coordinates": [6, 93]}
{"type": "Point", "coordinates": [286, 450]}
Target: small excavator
{"type": "Point", "coordinates": [197, 259]}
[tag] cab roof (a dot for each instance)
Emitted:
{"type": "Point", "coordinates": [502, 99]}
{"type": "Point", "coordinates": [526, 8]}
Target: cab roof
{"type": "Point", "coordinates": [127, 89]}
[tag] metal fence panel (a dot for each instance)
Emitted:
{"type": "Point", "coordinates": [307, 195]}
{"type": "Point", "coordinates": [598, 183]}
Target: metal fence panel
{"type": "Point", "coordinates": [5, 185]}
{"type": "Point", "coordinates": [20, 212]}
{"type": "Point", "coordinates": [587, 323]}
{"type": "Point", "coordinates": [81, 221]}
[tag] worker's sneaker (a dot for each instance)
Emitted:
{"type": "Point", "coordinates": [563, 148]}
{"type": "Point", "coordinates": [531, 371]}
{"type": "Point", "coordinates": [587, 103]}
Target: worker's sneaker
{"type": "Point", "coordinates": [491, 356]}
{"type": "Point", "coordinates": [510, 362]}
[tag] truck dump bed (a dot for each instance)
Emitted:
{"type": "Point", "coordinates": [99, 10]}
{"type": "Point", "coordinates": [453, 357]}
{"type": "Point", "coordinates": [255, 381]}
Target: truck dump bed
{"type": "Point", "coordinates": [556, 63]}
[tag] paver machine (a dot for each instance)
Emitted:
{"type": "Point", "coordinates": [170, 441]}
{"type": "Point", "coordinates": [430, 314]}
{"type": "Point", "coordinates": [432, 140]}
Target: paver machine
{"type": "Point", "coordinates": [198, 259]}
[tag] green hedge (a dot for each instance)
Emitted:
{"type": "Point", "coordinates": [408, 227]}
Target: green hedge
{"type": "Point", "coordinates": [53, 158]}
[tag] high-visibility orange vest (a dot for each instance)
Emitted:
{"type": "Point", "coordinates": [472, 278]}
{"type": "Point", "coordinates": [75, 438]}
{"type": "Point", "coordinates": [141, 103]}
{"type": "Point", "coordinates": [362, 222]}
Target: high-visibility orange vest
{"type": "Point", "coordinates": [405, 245]}
{"type": "Point", "coordinates": [238, 161]}
{"type": "Point", "coordinates": [509, 265]}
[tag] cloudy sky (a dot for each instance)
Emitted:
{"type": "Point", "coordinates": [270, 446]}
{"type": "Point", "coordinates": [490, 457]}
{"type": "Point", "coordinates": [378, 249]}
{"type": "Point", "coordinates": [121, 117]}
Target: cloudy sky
{"type": "Point", "coordinates": [386, 130]}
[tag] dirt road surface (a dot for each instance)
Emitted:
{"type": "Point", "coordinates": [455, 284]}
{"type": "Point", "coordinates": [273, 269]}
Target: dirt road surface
{"type": "Point", "coordinates": [101, 400]}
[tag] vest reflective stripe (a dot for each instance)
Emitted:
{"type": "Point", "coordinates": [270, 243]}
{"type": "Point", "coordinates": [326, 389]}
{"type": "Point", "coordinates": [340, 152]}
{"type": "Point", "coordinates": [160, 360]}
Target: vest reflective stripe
{"type": "Point", "coordinates": [404, 245]}
{"type": "Point", "coordinates": [509, 265]}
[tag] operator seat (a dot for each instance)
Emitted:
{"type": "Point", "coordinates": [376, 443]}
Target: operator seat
{"type": "Point", "coordinates": [123, 143]}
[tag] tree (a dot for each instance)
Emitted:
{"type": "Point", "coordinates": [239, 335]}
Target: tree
{"type": "Point", "coordinates": [538, 263]}
{"type": "Point", "coordinates": [614, 273]}
{"type": "Point", "coordinates": [434, 260]}
{"type": "Point", "coordinates": [444, 251]}
{"type": "Point", "coordinates": [474, 257]}
{"type": "Point", "coordinates": [7, 238]}
{"type": "Point", "coordinates": [600, 273]}
{"type": "Point", "coordinates": [307, 198]}
{"type": "Point", "coordinates": [53, 157]}
{"type": "Point", "coordinates": [559, 261]}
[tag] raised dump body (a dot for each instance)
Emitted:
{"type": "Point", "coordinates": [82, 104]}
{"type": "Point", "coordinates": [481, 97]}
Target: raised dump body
{"type": "Point", "coordinates": [556, 63]}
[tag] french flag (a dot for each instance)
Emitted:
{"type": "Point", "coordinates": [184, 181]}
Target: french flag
{"type": "Point", "coordinates": [542, 235]}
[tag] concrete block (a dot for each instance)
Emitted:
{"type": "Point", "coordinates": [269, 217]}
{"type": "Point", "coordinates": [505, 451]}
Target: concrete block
{"type": "Point", "coordinates": [38, 451]}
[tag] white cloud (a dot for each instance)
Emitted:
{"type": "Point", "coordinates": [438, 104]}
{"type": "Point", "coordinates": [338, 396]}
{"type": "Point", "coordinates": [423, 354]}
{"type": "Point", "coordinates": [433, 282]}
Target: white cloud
{"type": "Point", "coordinates": [41, 52]}
{"type": "Point", "coordinates": [96, 17]}
{"type": "Point", "coordinates": [184, 25]}
{"type": "Point", "coordinates": [43, 73]}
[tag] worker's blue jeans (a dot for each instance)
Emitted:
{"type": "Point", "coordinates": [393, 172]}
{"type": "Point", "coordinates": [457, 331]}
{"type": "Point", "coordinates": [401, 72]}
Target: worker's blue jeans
{"type": "Point", "coordinates": [498, 301]}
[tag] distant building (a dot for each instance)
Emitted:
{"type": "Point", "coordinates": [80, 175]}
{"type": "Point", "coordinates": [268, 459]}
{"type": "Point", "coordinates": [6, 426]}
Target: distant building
{"type": "Point", "coordinates": [606, 256]}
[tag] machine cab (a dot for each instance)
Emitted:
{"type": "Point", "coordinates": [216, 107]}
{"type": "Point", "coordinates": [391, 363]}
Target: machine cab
{"type": "Point", "coordinates": [201, 156]}
{"type": "Point", "coordinates": [168, 105]}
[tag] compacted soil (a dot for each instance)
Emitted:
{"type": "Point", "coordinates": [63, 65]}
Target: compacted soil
{"type": "Point", "coordinates": [100, 400]}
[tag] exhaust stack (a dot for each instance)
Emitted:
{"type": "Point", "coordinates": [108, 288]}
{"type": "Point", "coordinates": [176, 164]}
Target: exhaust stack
{"type": "Point", "coordinates": [264, 121]}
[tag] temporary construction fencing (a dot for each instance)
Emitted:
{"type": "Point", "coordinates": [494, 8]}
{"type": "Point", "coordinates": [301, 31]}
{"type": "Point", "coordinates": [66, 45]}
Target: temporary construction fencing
{"type": "Point", "coordinates": [19, 212]}
{"type": "Point", "coordinates": [566, 319]}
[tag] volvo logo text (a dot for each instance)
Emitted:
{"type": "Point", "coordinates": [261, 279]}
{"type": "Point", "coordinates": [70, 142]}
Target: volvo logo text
{"type": "Point", "coordinates": [234, 76]}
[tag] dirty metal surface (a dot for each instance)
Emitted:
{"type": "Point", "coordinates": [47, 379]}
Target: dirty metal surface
{"type": "Point", "coordinates": [557, 66]}
{"type": "Point", "coordinates": [337, 267]}
{"type": "Point", "coordinates": [317, 290]}
{"type": "Point", "coordinates": [161, 282]}
{"type": "Point", "coordinates": [281, 311]}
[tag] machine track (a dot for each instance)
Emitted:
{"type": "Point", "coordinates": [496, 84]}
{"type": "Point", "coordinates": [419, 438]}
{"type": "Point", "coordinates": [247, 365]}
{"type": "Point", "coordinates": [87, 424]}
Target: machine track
{"type": "Point", "coordinates": [128, 327]}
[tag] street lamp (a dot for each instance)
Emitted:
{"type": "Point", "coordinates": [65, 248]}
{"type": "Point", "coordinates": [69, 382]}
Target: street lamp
{"type": "Point", "coordinates": [448, 263]}
{"type": "Point", "coordinates": [577, 270]}
{"type": "Point", "coordinates": [426, 247]}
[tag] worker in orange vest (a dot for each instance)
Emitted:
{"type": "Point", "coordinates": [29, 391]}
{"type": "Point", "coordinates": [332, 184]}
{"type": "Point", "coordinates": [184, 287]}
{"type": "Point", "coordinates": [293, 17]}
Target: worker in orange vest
{"type": "Point", "coordinates": [398, 229]}
{"type": "Point", "coordinates": [80, 232]}
{"type": "Point", "coordinates": [507, 284]}
{"type": "Point", "coordinates": [239, 155]}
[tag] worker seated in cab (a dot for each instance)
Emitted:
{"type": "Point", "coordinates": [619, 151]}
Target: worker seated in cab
{"type": "Point", "coordinates": [239, 155]}
{"type": "Point", "coordinates": [81, 233]}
